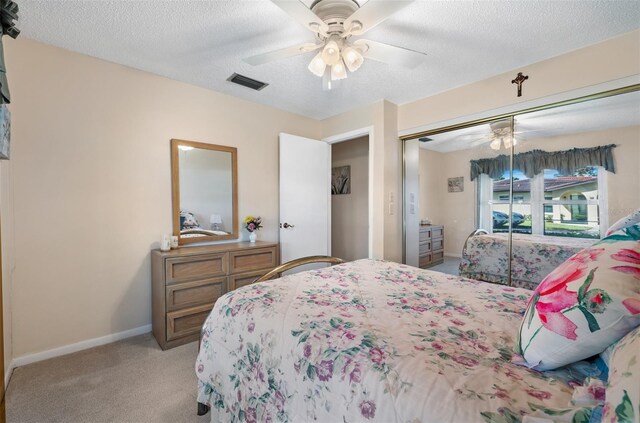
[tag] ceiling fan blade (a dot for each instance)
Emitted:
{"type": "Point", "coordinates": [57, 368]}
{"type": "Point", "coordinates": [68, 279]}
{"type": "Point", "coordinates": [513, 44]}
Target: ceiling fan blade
{"type": "Point", "coordinates": [390, 54]}
{"type": "Point", "coordinates": [301, 13]}
{"type": "Point", "coordinates": [371, 14]}
{"type": "Point", "coordinates": [284, 53]}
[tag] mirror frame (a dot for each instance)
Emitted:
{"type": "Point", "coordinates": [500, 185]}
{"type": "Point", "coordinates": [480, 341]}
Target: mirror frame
{"type": "Point", "coordinates": [175, 190]}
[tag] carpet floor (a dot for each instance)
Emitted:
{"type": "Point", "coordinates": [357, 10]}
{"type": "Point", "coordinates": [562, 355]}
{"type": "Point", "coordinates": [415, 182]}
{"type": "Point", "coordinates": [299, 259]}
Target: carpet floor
{"type": "Point", "coordinates": [127, 381]}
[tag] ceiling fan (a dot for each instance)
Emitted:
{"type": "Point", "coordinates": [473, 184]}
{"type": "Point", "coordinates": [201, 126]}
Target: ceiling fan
{"type": "Point", "coordinates": [334, 23]}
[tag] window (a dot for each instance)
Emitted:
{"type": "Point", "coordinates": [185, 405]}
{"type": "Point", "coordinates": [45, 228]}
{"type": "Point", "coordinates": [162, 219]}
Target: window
{"type": "Point", "coordinates": [547, 204]}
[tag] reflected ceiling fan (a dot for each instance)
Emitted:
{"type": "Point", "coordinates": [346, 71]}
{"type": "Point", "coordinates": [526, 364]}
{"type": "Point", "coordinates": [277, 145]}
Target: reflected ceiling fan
{"type": "Point", "coordinates": [334, 23]}
{"type": "Point", "coordinates": [498, 137]}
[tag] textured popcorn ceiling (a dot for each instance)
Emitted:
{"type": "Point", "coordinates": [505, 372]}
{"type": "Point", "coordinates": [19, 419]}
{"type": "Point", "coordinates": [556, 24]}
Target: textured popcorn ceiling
{"type": "Point", "coordinates": [203, 42]}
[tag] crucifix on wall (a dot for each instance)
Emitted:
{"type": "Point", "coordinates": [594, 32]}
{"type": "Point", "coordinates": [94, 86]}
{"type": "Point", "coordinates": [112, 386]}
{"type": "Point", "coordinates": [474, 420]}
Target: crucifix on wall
{"type": "Point", "coordinates": [520, 78]}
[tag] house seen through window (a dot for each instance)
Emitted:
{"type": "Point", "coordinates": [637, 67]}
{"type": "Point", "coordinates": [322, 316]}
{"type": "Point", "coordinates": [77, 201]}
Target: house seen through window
{"type": "Point", "coordinates": [547, 204]}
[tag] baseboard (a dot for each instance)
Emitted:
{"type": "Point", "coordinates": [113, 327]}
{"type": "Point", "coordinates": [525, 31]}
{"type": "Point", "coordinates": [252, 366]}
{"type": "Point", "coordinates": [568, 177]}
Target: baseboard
{"type": "Point", "coordinates": [452, 255]}
{"type": "Point", "coordinates": [78, 346]}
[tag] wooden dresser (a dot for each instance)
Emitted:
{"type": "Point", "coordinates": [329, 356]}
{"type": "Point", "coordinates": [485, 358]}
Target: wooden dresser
{"type": "Point", "coordinates": [186, 282]}
{"type": "Point", "coordinates": [431, 249]}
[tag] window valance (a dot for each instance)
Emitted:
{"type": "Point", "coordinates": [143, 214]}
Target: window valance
{"type": "Point", "coordinates": [534, 162]}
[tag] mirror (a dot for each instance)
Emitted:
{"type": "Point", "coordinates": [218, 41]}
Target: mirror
{"type": "Point", "coordinates": [536, 187]}
{"type": "Point", "coordinates": [204, 190]}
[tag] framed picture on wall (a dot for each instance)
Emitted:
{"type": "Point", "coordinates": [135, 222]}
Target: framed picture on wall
{"type": "Point", "coordinates": [341, 180]}
{"type": "Point", "coordinates": [456, 184]}
{"type": "Point", "coordinates": [5, 132]}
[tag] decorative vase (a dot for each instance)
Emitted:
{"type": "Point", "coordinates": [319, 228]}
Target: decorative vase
{"type": "Point", "coordinates": [253, 236]}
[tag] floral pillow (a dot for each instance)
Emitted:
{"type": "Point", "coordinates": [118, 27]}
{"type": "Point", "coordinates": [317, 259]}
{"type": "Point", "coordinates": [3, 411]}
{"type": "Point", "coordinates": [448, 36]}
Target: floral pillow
{"type": "Point", "coordinates": [629, 220]}
{"type": "Point", "coordinates": [585, 304]}
{"type": "Point", "coordinates": [622, 403]}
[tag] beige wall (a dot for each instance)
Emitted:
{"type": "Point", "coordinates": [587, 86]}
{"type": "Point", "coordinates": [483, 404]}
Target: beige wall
{"type": "Point", "coordinates": [350, 212]}
{"type": "Point", "coordinates": [91, 185]}
{"type": "Point", "coordinates": [456, 211]}
{"type": "Point", "coordinates": [607, 61]}
{"type": "Point", "coordinates": [381, 118]}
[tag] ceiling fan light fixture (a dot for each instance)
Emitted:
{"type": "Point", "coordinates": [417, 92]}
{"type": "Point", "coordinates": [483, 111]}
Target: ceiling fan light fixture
{"type": "Point", "coordinates": [317, 65]}
{"type": "Point", "coordinates": [338, 71]}
{"type": "Point", "coordinates": [352, 58]}
{"type": "Point", "coordinates": [331, 53]}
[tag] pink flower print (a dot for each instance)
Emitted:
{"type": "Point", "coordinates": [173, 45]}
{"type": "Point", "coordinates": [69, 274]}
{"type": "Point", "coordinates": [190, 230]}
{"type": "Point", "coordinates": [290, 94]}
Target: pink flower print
{"type": "Point", "coordinates": [541, 395]}
{"type": "Point", "coordinates": [419, 309]}
{"type": "Point", "coordinates": [597, 392]}
{"type": "Point", "coordinates": [349, 335]}
{"type": "Point", "coordinates": [251, 327]}
{"type": "Point", "coordinates": [250, 415]}
{"type": "Point", "coordinates": [325, 370]}
{"type": "Point", "coordinates": [368, 409]}
{"type": "Point", "coordinates": [356, 375]}
{"type": "Point", "coordinates": [554, 297]}
{"type": "Point", "coordinates": [628, 256]}
{"type": "Point", "coordinates": [377, 355]}
{"type": "Point", "coordinates": [306, 350]}
{"type": "Point", "coordinates": [632, 304]}
{"type": "Point", "coordinates": [465, 361]}
{"type": "Point", "coordinates": [239, 396]}
{"type": "Point", "coordinates": [437, 346]}
{"type": "Point", "coordinates": [360, 307]}
{"type": "Point", "coordinates": [587, 255]}
{"type": "Point", "coordinates": [458, 322]}
{"type": "Point", "coordinates": [200, 368]}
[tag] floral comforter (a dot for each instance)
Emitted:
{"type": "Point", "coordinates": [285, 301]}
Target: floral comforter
{"type": "Point", "coordinates": [486, 257]}
{"type": "Point", "coordinates": [370, 341]}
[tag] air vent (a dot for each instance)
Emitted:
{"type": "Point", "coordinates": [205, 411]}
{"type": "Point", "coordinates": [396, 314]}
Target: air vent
{"type": "Point", "coordinates": [245, 81]}
{"type": "Point", "coordinates": [425, 139]}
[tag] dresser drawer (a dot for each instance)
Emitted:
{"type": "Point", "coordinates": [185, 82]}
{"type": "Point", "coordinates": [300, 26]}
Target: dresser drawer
{"type": "Point", "coordinates": [182, 269]}
{"type": "Point", "coordinates": [438, 244]}
{"type": "Point", "coordinates": [242, 279]}
{"type": "Point", "coordinates": [253, 259]}
{"type": "Point", "coordinates": [437, 232]}
{"type": "Point", "coordinates": [439, 256]}
{"type": "Point", "coordinates": [186, 322]}
{"type": "Point", "coordinates": [425, 234]}
{"type": "Point", "coordinates": [190, 294]}
{"type": "Point", "coordinates": [425, 260]}
{"type": "Point", "coordinates": [424, 248]}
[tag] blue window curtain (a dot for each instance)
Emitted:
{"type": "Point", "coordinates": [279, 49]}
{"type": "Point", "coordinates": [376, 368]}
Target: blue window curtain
{"type": "Point", "coordinates": [534, 162]}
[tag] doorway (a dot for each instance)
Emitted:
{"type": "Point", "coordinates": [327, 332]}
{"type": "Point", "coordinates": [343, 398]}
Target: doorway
{"type": "Point", "coordinates": [350, 198]}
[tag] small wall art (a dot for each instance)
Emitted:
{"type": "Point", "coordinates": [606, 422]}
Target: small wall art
{"type": "Point", "coordinates": [456, 184]}
{"type": "Point", "coordinates": [5, 132]}
{"type": "Point", "coordinates": [341, 180]}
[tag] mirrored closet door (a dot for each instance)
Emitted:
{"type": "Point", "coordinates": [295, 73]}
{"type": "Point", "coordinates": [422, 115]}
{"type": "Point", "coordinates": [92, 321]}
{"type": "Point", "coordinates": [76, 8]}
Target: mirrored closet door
{"type": "Point", "coordinates": [517, 195]}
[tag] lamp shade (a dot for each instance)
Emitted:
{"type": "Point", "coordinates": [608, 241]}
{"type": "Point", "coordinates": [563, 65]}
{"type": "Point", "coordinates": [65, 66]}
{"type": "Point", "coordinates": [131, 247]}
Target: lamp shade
{"type": "Point", "coordinates": [215, 218]}
{"type": "Point", "coordinates": [352, 58]}
{"type": "Point", "coordinates": [338, 71]}
{"type": "Point", "coordinates": [331, 53]}
{"type": "Point", "coordinates": [317, 65]}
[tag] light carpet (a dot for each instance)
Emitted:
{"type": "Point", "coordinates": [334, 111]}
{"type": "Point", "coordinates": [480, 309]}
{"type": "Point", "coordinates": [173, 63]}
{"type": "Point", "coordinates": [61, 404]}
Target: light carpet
{"type": "Point", "coordinates": [127, 381]}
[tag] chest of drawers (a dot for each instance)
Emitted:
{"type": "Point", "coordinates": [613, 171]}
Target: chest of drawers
{"type": "Point", "coordinates": [431, 248]}
{"type": "Point", "coordinates": [187, 282]}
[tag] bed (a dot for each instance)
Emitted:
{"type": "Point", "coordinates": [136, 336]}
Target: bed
{"type": "Point", "coordinates": [485, 257]}
{"type": "Point", "coordinates": [371, 341]}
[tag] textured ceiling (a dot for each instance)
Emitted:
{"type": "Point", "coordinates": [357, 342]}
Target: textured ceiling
{"type": "Point", "coordinates": [203, 42]}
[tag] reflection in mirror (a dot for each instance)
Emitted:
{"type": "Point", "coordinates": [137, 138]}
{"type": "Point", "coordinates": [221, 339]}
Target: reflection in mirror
{"type": "Point", "coordinates": [575, 172]}
{"type": "Point", "coordinates": [533, 199]}
{"type": "Point", "coordinates": [446, 200]}
{"type": "Point", "coordinates": [204, 185]}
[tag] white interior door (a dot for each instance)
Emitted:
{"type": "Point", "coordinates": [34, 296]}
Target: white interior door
{"type": "Point", "coordinates": [305, 209]}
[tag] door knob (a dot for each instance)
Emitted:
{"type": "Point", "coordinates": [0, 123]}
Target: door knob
{"type": "Point", "coordinates": [286, 225]}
